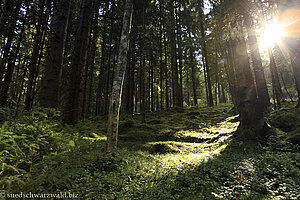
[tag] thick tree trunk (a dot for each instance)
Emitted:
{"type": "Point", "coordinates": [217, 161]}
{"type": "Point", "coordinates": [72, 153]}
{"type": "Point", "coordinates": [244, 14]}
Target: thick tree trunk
{"type": "Point", "coordinates": [116, 93]}
{"type": "Point", "coordinates": [246, 92]}
{"type": "Point", "coordinates": [49, 95]}
{"type": "Point", "coordinates": [72, 107]}
{"type": "Point", "coordinates": [261, 85]}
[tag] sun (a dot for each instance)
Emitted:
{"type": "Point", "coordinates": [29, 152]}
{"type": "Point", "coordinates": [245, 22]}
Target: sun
{"type": "Point", "coordinates": [271, 34]}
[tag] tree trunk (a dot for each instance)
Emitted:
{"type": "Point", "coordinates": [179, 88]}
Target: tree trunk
{"type": "Point", "coordinates": [108, 78]}
{"type": "Point", "coordinates": [9, 15]}
{"type": "Point", "coordinates": [116, 93]}
{"type": "Point", "coordinates": [95, 28]}
{"type": "Point", "coordinates": [231, 74]}
{"type": "Point", "coordinates": [285, 88]}
{"type": "Point", "coordinates": [179, 50]}
{"type": "Point", "coordinates": [132, 68]}
{"type": "Point", "coordinates": [33, 66]}
{"type": "Point", "coordinates": [49, 95]}
{"type": "Point", "coordinates": [193, 77]}
{"type": "Point", "coordinates": [246, 92]}
{"type": "Point", "coordinates": [128, 91]}
{"type": "Point", "coordinates": [72, 107]}
{"type": "Point", "coordinates": [223, 94]}
{"type": "Point", "coordinates": [172, 36]}
{"type": "Point", "coordinates": [143, 72]}
{"type": "Point", "coordinates": [166, 74]}
{"type": "Point", "coordinates": [275, 80]}
{"type": "Point", "coordinates": [85, 79]}
{"type": "Point", "coordinates": [11, 59]}
{"type": "Point", "coordinates": [161, 58]}
{"type": "Point", "coordinates": [205, 60]}
{"type": "Point", "coordinates": [294, 51]}
{"type": "Point", "coordinates": [261, 85]}
{"type": "Point", "coordinates": [151, 75]}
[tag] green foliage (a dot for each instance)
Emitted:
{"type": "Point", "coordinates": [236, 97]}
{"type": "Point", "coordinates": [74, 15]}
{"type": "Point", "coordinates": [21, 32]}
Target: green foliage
{"type": "Point", "coordinates": [164, 158]}
{"type": "Point", "coordinates": [285, 119]}
{"type": "Point", "coordinates": [24, 140]}
{"type": "Point", "coordinates": [287, 122]}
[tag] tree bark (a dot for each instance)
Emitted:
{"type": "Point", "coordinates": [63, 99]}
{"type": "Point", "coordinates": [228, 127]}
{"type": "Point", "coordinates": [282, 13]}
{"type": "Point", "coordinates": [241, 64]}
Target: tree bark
{"type": "Point", "coordinates": [246, 92]}
{"type": "Point", "coordinates": [151, 81]}
{"type": "Point", "coordinates": [294, 51]}
{"type": "Point", "coordinates": [34, 64]}
{"type": "Point", "coordinates": [128, 92]}
{"type": "Point", "coordinates": [95, 28]}
{"type": "Point", "coordinates": [143, 71]}
{"type": "Point", "coordinates": [72, 107]}
{"type": "Point", "coordinates": [9, 17]}
{"type": "Point", "coordinates": [179, 50]}
{"type": "Point", "coordinates": [116, 93]}
{"type": "Point", "coordinates": [161, 58]}
{"type": "Point", "coordinates": [205, 60]}
{"type": "Point", "coordinates": [49, 94]}
{"type": "Point", "coordinates": [261, 85]}
{"type": "Point", "coordinates": [172, 36]}
{"type": "Point", "coordinates": [275, 80]}
{"type": "Point", "coordinates": [166, 74]}
{"type": "Point", "coordinates": [12, 55]}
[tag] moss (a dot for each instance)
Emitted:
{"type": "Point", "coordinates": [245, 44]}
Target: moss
{"type": "Point", "coordinates": [168, 158]}
{"type": "Point", "coordinates": [285, 119]}
{"type": "Point", "coordinates": [163, 147]}
{"type": "Point", "coordinates": [294, 137]}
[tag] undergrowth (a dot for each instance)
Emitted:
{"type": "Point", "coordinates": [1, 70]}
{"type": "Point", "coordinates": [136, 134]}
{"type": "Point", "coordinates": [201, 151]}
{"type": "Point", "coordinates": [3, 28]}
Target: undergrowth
{"type": "Point", "coordinates": [177, 154]}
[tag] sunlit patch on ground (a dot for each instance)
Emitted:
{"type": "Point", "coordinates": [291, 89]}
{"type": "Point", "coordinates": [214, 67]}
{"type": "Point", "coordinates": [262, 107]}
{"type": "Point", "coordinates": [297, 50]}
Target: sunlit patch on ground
{"type": "Point", "coordinates": [95, 137]}
{"type": "Point", "coordinates": [179, 154]}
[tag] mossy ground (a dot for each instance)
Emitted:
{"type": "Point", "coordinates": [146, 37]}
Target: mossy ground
{"type": "Point", "coordinates": [177, 154]}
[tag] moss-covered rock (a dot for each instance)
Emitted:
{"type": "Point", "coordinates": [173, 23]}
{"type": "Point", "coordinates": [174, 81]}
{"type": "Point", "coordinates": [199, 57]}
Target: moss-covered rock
{"type": "Point", "coordinates": [285, 119]}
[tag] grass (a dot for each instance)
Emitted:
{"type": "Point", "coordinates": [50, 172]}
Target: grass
{"type": "Point", "coordinates": [177, 154]}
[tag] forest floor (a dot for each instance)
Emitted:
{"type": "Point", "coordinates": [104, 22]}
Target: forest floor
{"type": "Point", "coordinates": [178, 154]}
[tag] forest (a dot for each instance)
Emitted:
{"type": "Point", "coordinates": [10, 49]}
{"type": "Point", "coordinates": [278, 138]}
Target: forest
{"type": "Point", "coordinates": [150, 99]}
